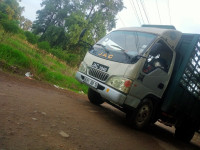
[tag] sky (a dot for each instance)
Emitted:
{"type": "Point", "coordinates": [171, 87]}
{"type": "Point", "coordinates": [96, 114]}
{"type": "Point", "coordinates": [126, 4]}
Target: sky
{"type": "Point", "coordinates": [183, 14]}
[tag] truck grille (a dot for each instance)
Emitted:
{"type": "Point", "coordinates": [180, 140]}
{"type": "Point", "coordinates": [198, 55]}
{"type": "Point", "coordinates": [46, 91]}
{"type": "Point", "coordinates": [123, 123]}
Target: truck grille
{"type": "Point", "coordinates": [98, 74]}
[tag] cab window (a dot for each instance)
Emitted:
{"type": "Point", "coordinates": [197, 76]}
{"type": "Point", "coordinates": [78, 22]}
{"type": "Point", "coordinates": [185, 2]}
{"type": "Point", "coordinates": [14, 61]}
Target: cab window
{"type": "Point", "coordinates": [160, 56]}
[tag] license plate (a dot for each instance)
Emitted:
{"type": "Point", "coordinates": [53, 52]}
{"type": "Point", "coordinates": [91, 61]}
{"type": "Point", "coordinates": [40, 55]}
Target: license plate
{"type": "Point", "coordinates": [100, 67]}
{"type": "Point", "coordinates": [91, 82]}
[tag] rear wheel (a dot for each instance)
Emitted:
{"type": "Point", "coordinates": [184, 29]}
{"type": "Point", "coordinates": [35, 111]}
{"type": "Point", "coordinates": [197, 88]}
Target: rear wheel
{"type": "Point", "coordinates": [185, 132]}
{"type": "Point", "coordinates": [94, 97]}
{"type": "Point", "coordinates": [141, 118]}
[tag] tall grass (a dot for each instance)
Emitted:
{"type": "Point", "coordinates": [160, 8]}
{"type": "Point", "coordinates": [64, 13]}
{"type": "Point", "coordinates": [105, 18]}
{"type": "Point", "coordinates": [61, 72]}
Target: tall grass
{"type": "Point", "coordinates": [71, 59]}
{"type": "Point", "coordinates": [17, 52]}
{"type": "Point", "coordinates": [13, 56]}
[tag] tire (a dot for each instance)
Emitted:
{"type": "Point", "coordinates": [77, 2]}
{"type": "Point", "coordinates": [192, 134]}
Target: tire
{"type": "Point", "coordinates": [184, 132]}
{"type": "Point", "coordinates": [94, 97]}
{"type": "Point", "coordinates": [141, 118]}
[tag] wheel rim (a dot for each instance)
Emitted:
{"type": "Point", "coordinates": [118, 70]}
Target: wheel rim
{"type": "Point", "coordinates": [143, 114]}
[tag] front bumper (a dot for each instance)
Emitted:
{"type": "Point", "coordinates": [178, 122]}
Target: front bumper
{"type": "Point", "coordinates": [105, 91]}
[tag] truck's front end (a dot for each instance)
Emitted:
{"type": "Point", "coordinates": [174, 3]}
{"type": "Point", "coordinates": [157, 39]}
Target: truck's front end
{"type": "Point", "coordinates": [130, 68]}
{"type": "Point", "coordinates": [112, 65]}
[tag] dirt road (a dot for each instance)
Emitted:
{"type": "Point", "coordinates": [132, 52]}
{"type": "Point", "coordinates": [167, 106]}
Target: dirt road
{"type": "Point", "coordinates": [37, 116]}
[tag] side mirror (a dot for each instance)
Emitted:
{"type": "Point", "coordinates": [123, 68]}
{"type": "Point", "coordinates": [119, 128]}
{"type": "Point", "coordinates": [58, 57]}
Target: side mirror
{"type": "Point", "coordinates": [82, 34]}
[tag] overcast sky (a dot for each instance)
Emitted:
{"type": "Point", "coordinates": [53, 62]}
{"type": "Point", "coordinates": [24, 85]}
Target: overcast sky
{"type": "Point", "coordinates": [183, 14]}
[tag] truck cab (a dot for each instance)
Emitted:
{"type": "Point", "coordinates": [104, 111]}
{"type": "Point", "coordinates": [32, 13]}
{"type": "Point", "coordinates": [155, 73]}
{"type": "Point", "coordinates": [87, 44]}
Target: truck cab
{"type": "Point", "coordinates": [130, 68]}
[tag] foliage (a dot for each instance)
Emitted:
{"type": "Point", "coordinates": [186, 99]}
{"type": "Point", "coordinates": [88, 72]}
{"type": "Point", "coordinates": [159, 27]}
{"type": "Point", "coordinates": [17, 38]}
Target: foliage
{"type": "Point", "coordinates": [3, 16]}
{"type": "Point", "coordinates": [44, 45]}
{"type": "Point", "coordinates": [61, 21]}
{"type": "Point", "coordinates": [75, 23]}
{"type": "Point", "coordinates": [10, 26]}
{"type": "Point", "coordinates": [11, 11]}
{"type": "Point", "coordinates": [31, 38]}
{"type": "Point", "coordinates": [13, 56]}
{"type": "Point", "coordinates": [55, 36]}
{"type": "Point", "coordinates": [18, 54]}
{"type": "Point", "coordinates": [25, 23]}
{"type": "Point", "coordinates": [70, 59]}
{"type": "Point", "coordinates": [10, 14]}
{"type": "Point", "coordinates": [11, 8]}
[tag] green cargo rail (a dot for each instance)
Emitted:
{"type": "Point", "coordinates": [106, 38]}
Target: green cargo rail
{"type": "Point", "coordinates": [182, 97]}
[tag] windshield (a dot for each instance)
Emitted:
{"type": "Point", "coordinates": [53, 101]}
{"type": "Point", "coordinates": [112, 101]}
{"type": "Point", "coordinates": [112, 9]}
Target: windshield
{"type": "Point", "coordinates": [130, 42]}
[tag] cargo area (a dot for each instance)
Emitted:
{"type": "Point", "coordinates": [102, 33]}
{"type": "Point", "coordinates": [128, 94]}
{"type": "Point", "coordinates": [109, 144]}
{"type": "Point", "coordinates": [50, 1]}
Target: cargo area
{"type": "Point", "coordinates": [183, 94]}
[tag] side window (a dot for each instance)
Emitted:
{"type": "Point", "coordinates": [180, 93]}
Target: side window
{"type": "Point", "coordinates": [160, 56]}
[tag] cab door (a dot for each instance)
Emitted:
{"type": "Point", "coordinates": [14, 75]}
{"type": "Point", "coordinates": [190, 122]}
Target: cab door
{"type": "Point", "coordinates": [157, 68]}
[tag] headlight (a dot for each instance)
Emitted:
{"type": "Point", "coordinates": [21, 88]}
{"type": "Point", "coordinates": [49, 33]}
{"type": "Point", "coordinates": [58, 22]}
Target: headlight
{"type": "Point", "coordinates": [120, 83]}
{"type": "Point", "coordinates": [83, 68]}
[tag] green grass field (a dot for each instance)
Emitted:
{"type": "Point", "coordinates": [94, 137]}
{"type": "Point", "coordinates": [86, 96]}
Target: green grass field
{"type": "Point", "coordinates": [16, 52]}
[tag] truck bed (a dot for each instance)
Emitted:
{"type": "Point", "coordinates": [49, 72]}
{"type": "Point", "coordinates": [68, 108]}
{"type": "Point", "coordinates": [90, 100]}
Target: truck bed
{"type": "Point", "coordinates": [182, 97]}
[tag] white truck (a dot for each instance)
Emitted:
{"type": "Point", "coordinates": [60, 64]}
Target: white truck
{"type": "Point", "coordinates": [150, 72]}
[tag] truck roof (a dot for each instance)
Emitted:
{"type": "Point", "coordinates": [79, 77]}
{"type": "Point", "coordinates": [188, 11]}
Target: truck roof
{"type": "Point", "coordinates": [170, 36]}
{"type": "Point", "coordinates": [159, 26]}
{"type": "Point", "coordinates": [157, 31]}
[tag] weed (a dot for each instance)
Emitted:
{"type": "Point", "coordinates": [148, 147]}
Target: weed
{"type": "Point", "coordinates": [13, 56]}
{"type": "Point", "coordinates": [15, 52]}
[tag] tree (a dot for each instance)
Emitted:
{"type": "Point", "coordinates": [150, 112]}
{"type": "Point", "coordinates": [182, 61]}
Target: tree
{"type": "Point", "coordinates": [55, 36]}
{"type": "Point", "coordinates": [10, 27]}
{"type": "Point", "coordinates": [75, 23]}
{"type": "Point", "coordinates": [11, 8]}
{"type": "Point", "coordinates": [10, 12]}
{"type": "Point", "coordinates": [72, 16]}
{"type": "Point", "coordinates": [25, 23]}
{"type": "Point", "coordinates": [53, 13]}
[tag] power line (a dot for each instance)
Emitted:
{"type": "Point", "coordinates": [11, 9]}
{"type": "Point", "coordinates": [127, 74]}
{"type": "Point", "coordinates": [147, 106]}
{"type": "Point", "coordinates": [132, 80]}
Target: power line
{"type": "Point", "coordinates": [169, 13]}
{"type": "Point", "coordinates": [140, 11]}
{"type": "Point", "coordinates": [121, 20]}
{"type": "Point", "coordinates": [144, 9]}
{"type": "Point", "coordinates": [158, 11]}
{"type": "Point", "coordinates": [135, 10]}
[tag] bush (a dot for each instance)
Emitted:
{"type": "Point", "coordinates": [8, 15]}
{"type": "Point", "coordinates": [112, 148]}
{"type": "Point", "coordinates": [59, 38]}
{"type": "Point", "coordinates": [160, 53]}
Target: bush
{"type": "Point", "coordinates": [73, 59]}
{"type": "Point", "coordinates": [3, 16]}
{"type": "Point", "coordinates": [13, 56]}
{"type": "Point", "coordinates": [31, 38]}
{"type": "Point", "coordinates": [10, 26]}
{"type": "Point", "coordinates": [58, 53]}
{"type": "Point", "coordinates": [44, 45]}
{"type": "Point", "coordinates": [70, 59]}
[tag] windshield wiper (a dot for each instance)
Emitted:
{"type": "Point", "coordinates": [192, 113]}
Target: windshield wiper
{"type": "Point", "coordinates": [103, 46]}
{"type": "Point", "coordinates": [123, 50]}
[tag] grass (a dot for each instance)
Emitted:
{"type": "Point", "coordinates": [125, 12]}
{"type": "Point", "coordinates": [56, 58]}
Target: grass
{"type": "Point", "coordinates": [16, 52]}
{"type": "Point", "coordinates": [13, 56]}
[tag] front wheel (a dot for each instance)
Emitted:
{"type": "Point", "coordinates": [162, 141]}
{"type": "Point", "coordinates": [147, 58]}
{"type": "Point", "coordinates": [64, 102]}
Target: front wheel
{"type": "Point", "coordinates": [94, 97]}
{"type": "Point", "coordinates": [141, 118]}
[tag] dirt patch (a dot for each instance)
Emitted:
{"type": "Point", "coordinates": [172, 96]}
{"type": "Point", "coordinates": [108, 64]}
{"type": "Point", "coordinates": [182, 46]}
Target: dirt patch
{"type": "Point", "coordinates": [38, 116]}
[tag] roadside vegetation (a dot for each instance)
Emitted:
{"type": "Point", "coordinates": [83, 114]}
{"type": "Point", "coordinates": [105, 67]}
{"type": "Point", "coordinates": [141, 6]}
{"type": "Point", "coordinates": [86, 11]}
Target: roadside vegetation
{"type": "Point", "coordinates": [19, 56]}
{"type": "Point", "coordinates": [49, 47]}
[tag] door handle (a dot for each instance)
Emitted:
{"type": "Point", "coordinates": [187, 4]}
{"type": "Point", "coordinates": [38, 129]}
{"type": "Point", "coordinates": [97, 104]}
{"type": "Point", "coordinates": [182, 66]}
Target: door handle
{"type": "Point", "coordinates": [161, 85]}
